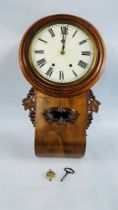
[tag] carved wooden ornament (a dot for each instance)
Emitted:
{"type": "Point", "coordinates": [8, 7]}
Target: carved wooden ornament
{"type": "Point", "coordinates": [60, 115]}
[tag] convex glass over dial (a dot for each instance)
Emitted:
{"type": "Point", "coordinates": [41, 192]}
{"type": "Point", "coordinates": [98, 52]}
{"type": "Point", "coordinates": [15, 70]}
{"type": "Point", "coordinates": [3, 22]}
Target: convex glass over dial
{"type": "Point", "coordinates": [62, 53]}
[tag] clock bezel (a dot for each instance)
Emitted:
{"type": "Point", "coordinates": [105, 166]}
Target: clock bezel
{"type": "Point", "coordinates": [58, 89]}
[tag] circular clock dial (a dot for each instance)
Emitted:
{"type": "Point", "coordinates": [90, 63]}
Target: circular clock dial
{"type": "Point", "coordinates": [62, 53]}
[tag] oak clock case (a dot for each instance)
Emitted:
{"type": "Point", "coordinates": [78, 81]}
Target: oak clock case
{"type": "Point", "coordinates": [62, 56]}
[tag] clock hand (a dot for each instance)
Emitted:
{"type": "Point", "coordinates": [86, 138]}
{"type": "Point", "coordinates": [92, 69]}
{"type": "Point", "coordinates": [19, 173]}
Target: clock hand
{"type": "Point", "coordinates": [64, 34]}
{"type": "Point", "coordinates": [63, 45]}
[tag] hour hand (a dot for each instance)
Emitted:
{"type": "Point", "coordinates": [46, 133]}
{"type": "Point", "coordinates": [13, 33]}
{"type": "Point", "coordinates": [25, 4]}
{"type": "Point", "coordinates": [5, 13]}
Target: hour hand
{"type": "Point", "coordinates": [64, 31]}
{"type": "Point", "coordinates": [63, 45]}
{"type": "Point", "coordinates": [63, 40]}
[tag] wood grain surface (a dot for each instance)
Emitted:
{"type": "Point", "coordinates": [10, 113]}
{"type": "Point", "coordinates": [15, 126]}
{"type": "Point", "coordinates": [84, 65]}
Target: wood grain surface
{"type": "Point", "coordinates": [53, 140]}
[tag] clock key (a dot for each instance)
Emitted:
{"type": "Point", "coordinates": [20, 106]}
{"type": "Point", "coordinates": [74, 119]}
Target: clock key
{"type": "Point", "coordinates": [68, 171]}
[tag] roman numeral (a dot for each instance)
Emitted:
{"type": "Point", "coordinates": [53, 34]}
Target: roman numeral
{"type": "Point", "coordinates": [43, 41]}
{"type": "Point", "coordinates": [87, 53]}
{"type": "Point", "coordinates": [64, 30]}
{"type": "Point", "coordinates": [75, 33]}
{"type": "Point", "coordinates": [39, 51]}
{"type": "Point", "coordinates": [51, 32]}
{"type": "Point", "coordinates": [41, 62]}
{"type": "Point", "coordinates": [49, 71]}
{"type": "Point", "coordinates": [82, 64]}
{"type": "Point", "coordinates": [61, 75]}
{"type": "Point", "coordinates": [74, 73]}
{"type": "Point", "coordinates": [82, 42]}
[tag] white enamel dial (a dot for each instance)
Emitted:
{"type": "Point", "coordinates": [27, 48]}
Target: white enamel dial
{"type": "Point", "coordinates": [62, 53]}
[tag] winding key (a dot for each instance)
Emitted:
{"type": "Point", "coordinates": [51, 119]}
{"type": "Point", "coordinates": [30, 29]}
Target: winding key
{"type": "Point", "coordinates": [68, 171]}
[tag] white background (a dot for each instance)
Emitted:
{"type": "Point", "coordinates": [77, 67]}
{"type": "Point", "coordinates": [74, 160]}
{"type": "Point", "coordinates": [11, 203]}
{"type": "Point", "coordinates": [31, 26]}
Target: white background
{"type": "Point", "coordinates": [23, 186]}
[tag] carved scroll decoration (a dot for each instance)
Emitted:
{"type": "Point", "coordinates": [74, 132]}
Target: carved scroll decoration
{"type": "Point", "coordinates": [61, 115]}
{"type": "Point", "coordinates": [93, 106]}
{"type": "Point", "coordinates": [29, 104]}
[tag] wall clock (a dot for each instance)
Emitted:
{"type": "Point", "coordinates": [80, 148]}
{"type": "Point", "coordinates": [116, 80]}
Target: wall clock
{"type": "Point", "coordinates": [62, 56]}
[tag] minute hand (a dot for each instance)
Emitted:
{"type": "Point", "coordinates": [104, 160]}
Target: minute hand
{"type": "Point", "coordinates": [63, 43]}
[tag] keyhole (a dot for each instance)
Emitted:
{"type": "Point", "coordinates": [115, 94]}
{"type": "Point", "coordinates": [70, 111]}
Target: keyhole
{"type": "Point", "coordinates": [58, 115]}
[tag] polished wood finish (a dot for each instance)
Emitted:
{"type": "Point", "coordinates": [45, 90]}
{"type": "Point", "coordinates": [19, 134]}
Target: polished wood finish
{"type": "Point", "coordinates": [53, 89]}
{"type": "Point", "coordinates": [60, 140]}
{"type": "Point", "coordinates": [64, 134]}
